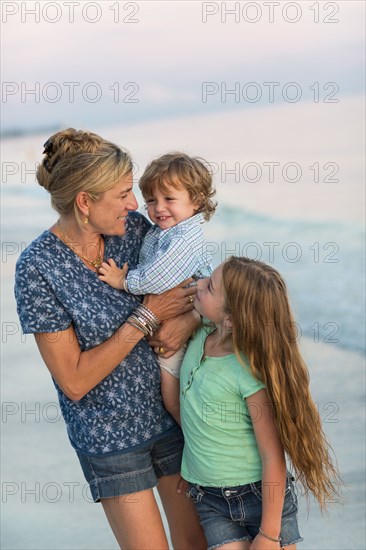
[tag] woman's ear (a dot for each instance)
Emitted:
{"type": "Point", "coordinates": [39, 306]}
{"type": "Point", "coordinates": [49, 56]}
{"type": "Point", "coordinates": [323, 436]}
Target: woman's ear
{"type": "Point", "coordinates": [82, 201]}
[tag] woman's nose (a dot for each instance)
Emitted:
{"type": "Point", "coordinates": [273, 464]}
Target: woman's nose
{"type": "Point", "coordinates": [132, 204]}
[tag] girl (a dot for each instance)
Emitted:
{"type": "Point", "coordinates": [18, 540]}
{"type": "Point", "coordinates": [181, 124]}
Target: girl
{"type": "Point", "coordinates": [178, 191]}
{"type": "Point", "coordinates": [245, 402]}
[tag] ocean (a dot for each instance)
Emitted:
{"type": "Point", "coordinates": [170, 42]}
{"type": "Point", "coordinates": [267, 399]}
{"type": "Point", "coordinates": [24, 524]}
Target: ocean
{"type": "Point", "coordinates": [317, 245]}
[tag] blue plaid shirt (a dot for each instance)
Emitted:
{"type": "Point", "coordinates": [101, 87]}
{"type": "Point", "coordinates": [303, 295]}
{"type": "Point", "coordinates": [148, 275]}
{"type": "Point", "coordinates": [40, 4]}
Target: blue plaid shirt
{"type": "Point", "coordinates": [169, 256]}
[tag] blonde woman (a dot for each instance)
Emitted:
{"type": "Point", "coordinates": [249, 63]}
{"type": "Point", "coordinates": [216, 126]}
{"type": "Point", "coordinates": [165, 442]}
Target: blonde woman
{"type": "Point", "coordinates": [92, 339]}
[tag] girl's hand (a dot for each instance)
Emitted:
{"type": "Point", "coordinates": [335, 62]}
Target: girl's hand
{"type": "Point", "coordinates": [173, 302]}
{"type": "Point", "coordinates": [262, 543]}
{"type": "Point", "coordinates": [111, 274]}
{"type": "Point", "coordinates": [182, 486]}
{"type": "Point", "coordinates": [174, 333]}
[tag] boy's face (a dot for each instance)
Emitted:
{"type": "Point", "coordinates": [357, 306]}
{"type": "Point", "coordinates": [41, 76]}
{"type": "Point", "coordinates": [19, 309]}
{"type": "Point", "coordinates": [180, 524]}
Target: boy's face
{"type": "Point", "coordinates": [171, 206]}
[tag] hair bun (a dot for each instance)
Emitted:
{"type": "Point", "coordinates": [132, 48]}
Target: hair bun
{"type": "Point", "coordinates": [64, 144]}
{"type": "Point", "coordinates": [70, 141]}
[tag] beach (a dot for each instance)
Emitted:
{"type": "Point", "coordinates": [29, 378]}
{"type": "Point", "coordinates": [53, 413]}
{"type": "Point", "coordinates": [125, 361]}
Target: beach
{"type": "Point", "coordinates": [278, 201]}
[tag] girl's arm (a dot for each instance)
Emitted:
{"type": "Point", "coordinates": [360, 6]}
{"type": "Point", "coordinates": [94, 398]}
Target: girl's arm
{"type": "Point", "coordinates": [273, 469]}
{"type": "Point", "coordinates": [77, 372]}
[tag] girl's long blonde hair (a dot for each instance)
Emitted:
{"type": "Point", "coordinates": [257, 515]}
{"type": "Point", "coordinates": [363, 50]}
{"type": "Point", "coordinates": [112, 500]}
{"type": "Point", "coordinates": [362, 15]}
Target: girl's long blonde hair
{"type": "Point", "coordinates": [264, 331]}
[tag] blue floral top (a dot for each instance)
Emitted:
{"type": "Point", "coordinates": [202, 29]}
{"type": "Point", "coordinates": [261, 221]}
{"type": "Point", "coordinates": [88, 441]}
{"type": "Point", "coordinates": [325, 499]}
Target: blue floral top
{"type": "Point", "coordinates": [55, 289]}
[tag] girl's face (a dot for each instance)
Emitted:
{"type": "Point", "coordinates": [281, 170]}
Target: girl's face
{"type": "Point", "coordinates": [171, 206]}
{"type": "Point", "coordinates": [210, 301]}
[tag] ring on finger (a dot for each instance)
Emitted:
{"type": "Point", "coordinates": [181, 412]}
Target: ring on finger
{"type": "Point", "coordinates": [161, 350]}
{"type": "Point", "coordinates": [191, 299]}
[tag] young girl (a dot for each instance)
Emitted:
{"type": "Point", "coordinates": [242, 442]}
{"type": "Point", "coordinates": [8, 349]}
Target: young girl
{"type": "Point", "coordinates": [245, 402]}
{"type": "Point", "coordinates": [178, 192]}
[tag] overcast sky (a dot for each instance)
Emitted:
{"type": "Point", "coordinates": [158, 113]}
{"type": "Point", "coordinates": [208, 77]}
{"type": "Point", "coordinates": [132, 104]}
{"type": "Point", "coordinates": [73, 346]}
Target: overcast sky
{"type": "Point", "coordinates": [101, 63]}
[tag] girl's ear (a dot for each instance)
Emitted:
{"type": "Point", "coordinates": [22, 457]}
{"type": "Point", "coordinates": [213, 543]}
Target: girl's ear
{"type": "Point", "coordinates": [82, 201]}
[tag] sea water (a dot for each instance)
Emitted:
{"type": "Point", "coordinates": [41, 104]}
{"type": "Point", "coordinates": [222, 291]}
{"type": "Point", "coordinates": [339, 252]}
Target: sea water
{"type": "Point", "coordinates": [45, 500]}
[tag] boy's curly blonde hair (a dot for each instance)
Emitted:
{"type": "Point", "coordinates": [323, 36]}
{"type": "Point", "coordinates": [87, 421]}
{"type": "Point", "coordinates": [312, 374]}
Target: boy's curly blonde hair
{"type": "Point", "coordinates": [179, 170]}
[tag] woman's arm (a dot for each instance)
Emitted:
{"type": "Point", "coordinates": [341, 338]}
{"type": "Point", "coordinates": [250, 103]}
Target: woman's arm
{"type": "Point", "coordinates": [77, 372]}
{"type": "Point", "coordinates": [273, 469]}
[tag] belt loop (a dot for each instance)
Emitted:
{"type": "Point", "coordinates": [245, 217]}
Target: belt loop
{"type": "Point", "coordinates": [200, 493]}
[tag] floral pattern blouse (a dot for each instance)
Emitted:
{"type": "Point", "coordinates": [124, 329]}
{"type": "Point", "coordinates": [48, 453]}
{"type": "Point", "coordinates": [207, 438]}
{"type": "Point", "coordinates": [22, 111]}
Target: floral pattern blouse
{"type": "Point", "coordinates": [55, 289]}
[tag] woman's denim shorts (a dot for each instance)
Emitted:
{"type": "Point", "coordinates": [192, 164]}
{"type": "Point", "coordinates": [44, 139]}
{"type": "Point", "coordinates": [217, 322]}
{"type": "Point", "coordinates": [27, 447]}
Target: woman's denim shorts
{"type": "Point", "coordinates": [136, 470]}
{"type": "Point", "coordinates": [231, 514]}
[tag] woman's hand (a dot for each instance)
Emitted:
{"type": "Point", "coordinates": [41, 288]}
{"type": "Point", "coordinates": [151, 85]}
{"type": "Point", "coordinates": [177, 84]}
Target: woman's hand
{"type": "Point", "coordinates": [173, 302]}
{"type": "Point", "coordinates": [174, 333]}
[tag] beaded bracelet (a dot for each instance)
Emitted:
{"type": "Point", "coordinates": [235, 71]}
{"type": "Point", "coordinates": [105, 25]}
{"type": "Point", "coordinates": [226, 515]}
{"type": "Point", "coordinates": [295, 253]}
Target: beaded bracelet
{"type": "Point", "coordinates": [269, 538]}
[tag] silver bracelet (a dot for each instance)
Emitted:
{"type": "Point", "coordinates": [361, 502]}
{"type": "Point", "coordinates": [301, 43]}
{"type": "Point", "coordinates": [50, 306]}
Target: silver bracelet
{"type": "Point", "coordinates": [146, 314]}
{"type": "Point", "coordinates": [149, 313]}
{"type": "Point", "coordinates": [145, 323]}
{"type": "Point", "coordinates": [143, 319]}
{"type": "Point", "coordinates": [136, 324]}
{"type": "Point", "coordinates": [268, 537]}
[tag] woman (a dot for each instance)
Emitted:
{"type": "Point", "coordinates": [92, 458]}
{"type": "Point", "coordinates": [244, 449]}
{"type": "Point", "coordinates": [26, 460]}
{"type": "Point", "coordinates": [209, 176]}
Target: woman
{"type": "Point", "coordinates": [91, 338]}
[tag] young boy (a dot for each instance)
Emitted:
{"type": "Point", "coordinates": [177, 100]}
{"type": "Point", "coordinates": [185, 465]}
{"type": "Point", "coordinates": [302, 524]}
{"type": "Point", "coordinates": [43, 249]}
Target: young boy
{"type": "Point", "coordinates": [178, 191]}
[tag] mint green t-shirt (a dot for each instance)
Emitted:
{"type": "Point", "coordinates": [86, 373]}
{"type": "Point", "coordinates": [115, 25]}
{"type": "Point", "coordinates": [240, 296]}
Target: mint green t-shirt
{"type": "Point", "coordinates": [220, 448]}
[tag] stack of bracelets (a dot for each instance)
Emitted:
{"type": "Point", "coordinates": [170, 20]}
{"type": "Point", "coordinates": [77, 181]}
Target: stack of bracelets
{"type": "Point", "coordinates": [145, 320]}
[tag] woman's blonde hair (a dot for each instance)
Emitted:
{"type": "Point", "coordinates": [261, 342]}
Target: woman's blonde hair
{"type": "Point", "coordinates": [264, 331]}
{"type": "Point", "coordinates": [179, 170]}
{"type": "Point", "coordinates": [80, 161]}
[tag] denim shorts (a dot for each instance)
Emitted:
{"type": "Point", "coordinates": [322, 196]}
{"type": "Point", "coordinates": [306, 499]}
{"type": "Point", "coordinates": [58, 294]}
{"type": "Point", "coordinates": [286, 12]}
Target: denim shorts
{"type": "Point", "coordinates": [231, 514]}
{"type": "Point", "coordinates": [132, 471]}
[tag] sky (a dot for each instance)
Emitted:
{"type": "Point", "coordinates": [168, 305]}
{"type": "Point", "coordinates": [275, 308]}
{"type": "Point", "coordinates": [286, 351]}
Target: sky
{"type": "Point", "coordinates": [93, 64]}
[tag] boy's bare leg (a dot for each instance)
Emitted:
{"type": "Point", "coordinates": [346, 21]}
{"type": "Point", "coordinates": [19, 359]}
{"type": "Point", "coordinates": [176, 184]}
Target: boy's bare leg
{"type": "Point", "coordinates": [170, 393]}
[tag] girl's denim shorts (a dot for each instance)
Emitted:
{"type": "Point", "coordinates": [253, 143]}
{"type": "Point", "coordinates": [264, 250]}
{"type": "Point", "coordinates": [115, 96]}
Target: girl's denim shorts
{"type": "Point", "coordinates": [231, 514]}
{"type": "Point", "coordinates": [132, 471]}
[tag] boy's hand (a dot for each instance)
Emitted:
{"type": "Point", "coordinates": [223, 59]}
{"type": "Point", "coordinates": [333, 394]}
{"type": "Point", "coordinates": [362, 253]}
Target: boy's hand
{"type": "Point", "coordinates": [111, 274]}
